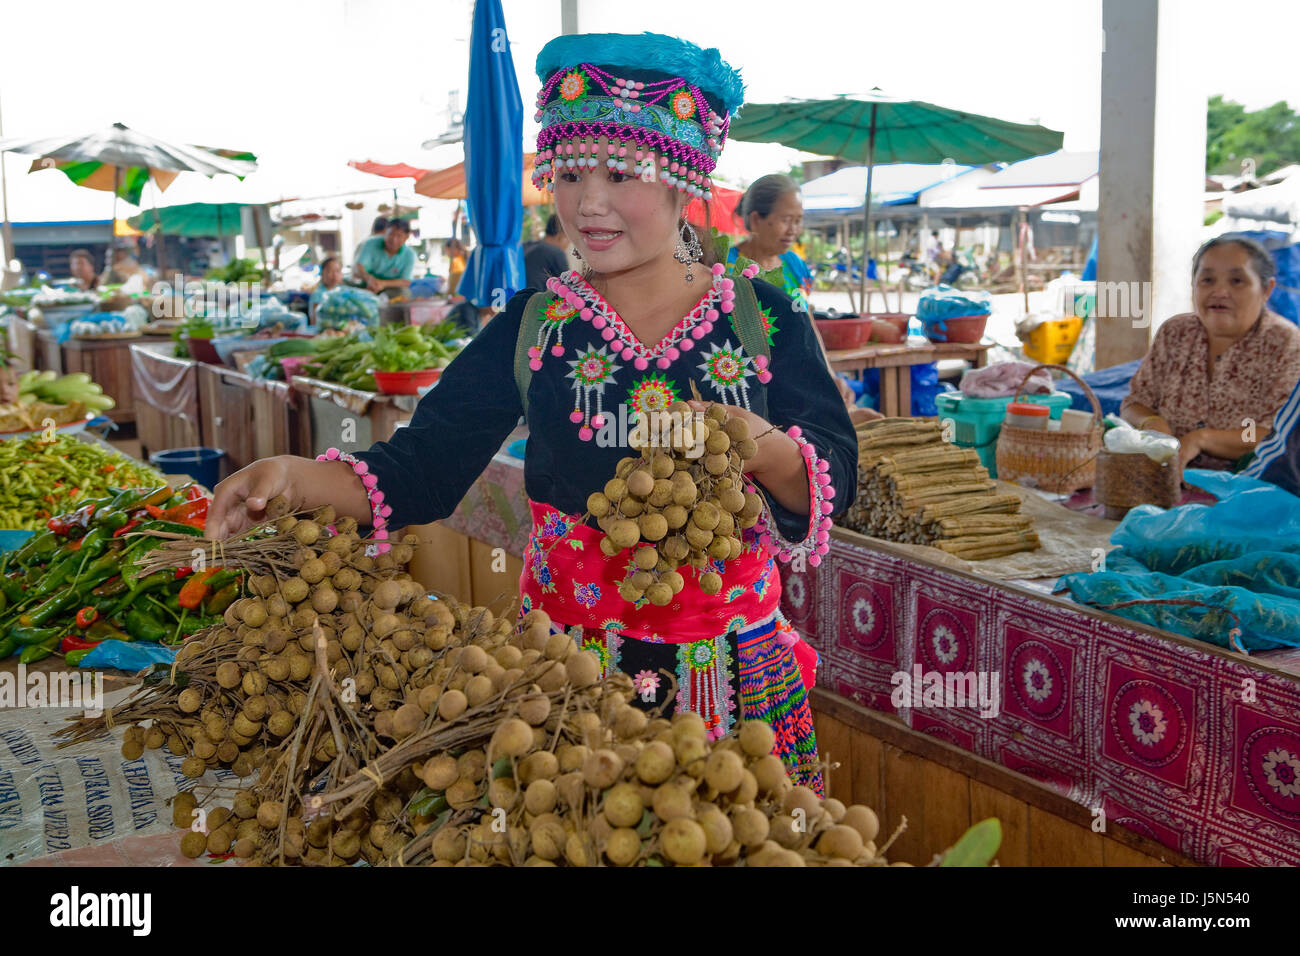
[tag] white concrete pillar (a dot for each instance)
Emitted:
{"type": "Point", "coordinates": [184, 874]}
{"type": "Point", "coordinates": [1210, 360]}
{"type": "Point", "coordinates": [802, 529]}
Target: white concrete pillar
{"type": "Point", "coordinates": [1152, 169]}
{"type": "Point", "coordinates": [569, 17]}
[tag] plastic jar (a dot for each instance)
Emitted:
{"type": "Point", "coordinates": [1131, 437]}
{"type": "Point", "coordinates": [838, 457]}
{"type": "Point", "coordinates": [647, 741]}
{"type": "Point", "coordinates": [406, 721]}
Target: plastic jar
{"type": "Point", "coordinates": [1027, 415]}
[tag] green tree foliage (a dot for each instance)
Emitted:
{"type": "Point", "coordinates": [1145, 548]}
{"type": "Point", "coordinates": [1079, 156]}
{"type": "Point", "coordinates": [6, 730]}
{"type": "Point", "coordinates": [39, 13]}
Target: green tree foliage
{"type": "Point", "coordinates": [1270, 136]}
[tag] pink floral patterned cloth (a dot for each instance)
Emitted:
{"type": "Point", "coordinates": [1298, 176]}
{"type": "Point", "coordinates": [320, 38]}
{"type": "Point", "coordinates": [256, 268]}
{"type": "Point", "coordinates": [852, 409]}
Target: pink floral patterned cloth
{"type": "Point", "coordinates": [568, 576]}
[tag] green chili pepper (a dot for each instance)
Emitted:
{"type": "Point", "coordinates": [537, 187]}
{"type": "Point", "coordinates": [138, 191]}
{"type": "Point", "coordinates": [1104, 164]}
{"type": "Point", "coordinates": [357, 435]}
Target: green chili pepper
{"type": "Point", "coordinates": [35, 635]}
{"type": "Point", "coordinates": [40, 546]}
{"type": "Point", "coordinates": [51, 606]}
{"type": "Point", "coordinates": [143, 586]}
{"type": "Point", "coordinates": [38, 652]}
{"type": "Point", "coordinates": [143, 626]}
{"type": "Point", "coordinates": [172, 527]}
{"type": "Point", "coordinates": [56, 575]}
{"type": "Point", "coordinates": [220, 600]}
{"type": "Point", "coordinates": [103, 631]}
{"type": "Point", "coordinates": [12, 589]}
{"type": "Point", "coordinates": [73, 658]}
{"type": "Point", "coordinates": [114, 585]}
{"type": "Point", "coordinates": [7, 646]}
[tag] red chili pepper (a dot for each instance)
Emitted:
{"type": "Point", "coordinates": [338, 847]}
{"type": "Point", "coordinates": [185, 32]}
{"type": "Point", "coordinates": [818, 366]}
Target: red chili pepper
{"type": "Point", "coordinates": [126, 527]}
{"type": "Point", "coordinates": [58, 525]}
{"type": "Point", "coordinates": [195, 590]}
{"type": "Point", "coordinates": [188, 513]}
{"type": "Point", "coordinates": [86, 617]}
{"type": "Point", "coordinates": [74, 642]}
{"type": "Point", "coordinates": [154, 511]}
{"type": "Point", "coordinates": [75, 545]}
{"type": "Point", "coordinates": [192, 493]}
{"type": "Point", "coordinates": [183, 572]}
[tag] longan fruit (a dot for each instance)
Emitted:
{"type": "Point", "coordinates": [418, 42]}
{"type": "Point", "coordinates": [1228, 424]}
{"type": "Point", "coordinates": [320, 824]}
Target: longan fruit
{"type": "Point", "coordinates": [659, 594]}
{"type": "Point", "coordinates": [615, 490]}
{"type": "Point", "coordinates": [710, 582]}
{"type": "Point", "coordinates": [194, 845]}
{"type": "Point", "coordinates": [132, 750]}
{"type": "Point", "coordinates": [623, 847]}
{"type": "Point", "coordinates": [756, 738]}
{"type": "Point", "coordinates": [676, 516]}
{"type": "Point", "coordinates": [598, 505]}
{"type": "Point", "coordinates": [654, 527]}
{"type": "Point", "coordinates": [640, 483]}
{"type": "Point", "coordinates": [624, 533]}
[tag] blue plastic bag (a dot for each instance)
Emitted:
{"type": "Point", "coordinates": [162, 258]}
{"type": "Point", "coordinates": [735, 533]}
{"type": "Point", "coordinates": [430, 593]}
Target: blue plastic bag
{"type": "Point", "coordinates": [128, 655]}
{"type": "Point", "coordinates": [945, 302]}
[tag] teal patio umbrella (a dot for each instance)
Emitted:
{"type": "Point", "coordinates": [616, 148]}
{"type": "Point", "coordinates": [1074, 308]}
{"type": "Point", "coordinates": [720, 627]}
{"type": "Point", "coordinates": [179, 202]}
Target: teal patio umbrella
{"type": "Point", "coordinates": [883, 129]}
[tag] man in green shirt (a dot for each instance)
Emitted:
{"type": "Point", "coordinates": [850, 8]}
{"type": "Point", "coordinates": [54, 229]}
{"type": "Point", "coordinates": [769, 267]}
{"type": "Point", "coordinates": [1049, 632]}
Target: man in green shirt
{"type": "Point", "coordinates": [386, 263]}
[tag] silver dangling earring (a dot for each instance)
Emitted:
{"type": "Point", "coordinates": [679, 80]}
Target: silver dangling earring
{"type": "Point", "coordinates": [688, 248]}
{"type": "Point", "coordinates": [576, 253]}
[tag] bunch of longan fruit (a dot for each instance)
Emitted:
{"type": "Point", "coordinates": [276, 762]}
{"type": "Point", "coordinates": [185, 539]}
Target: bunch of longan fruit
{"type": "Point", "coordinates": [682, 502]}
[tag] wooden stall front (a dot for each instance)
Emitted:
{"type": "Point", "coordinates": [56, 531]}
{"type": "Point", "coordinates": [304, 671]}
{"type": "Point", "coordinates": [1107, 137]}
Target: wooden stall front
{"type": "Point", "coordinates": [166, 390]}
{"type": "Point", "coordinates": [1175, 748]}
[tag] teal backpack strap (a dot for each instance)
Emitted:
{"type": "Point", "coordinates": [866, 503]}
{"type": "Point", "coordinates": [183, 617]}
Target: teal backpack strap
{"type": "Point", "coordinates": [747, 320]}
{"type": "Point", "coordinates": [530, 324]}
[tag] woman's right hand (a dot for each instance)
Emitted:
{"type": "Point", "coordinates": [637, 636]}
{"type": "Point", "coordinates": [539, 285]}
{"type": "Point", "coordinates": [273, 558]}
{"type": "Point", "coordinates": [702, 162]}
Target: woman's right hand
{"type": "Point", "coordinates": [240, 501]}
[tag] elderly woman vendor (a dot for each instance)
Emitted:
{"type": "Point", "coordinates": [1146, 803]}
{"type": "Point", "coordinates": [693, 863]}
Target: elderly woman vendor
{"type": "Point", "coordinates": [1216, 377]}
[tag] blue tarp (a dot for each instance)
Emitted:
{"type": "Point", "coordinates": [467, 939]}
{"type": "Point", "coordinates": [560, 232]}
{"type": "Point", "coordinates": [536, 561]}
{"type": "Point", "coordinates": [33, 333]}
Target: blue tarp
{"type": "Point", "coordinates": [1223, 573]}
{"type": "Point", "coordinates": [1110, 385]}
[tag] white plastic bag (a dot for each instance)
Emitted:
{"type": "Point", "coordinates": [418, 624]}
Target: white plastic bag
{"type": "Point", "coordinates": [1127, 440]}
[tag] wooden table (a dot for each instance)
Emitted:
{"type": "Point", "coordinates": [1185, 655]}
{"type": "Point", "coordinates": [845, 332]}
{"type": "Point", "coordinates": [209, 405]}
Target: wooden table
{"type": "Point", "coordinates": [106, 361]}
{"type": "Point", "coordinates": [894, 361]}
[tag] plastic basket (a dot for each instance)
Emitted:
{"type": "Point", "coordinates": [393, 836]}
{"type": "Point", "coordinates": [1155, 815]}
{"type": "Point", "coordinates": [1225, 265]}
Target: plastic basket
{"type": "Point", "coordinates": [201, 464]}
{"type": "Point", "coordinates": [1053, 341]}
{"type": "Point", "coordinates": [977, 422]}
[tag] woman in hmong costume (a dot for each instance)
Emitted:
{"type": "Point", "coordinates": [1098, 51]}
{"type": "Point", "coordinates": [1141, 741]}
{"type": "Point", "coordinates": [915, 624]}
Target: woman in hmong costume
{"type": "Point", "coordinates": [632, 127]}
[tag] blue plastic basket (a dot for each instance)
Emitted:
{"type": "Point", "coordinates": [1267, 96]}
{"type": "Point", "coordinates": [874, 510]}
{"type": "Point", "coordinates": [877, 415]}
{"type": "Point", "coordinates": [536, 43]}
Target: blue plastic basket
{"type": "Point", "coordinates": [201, 464]}
{"type": "Point", "coordinates": [11, 540]}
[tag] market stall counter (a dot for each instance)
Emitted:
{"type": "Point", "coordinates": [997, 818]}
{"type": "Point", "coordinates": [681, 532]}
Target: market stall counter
{"type": "Point", "coordinates": [1091, 729]}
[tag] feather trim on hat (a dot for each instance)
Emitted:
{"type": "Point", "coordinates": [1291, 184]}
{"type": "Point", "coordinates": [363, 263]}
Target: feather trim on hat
{"type": "Point", "coordinates": [646, 51]}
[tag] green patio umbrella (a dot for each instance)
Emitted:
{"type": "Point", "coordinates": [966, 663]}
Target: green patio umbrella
{"type": "Point", "coordinates": [881, 129]}
{"type": "Point", "coordinates": [121, 160]}
{"type": "Point", "coordinates": [193, 219]}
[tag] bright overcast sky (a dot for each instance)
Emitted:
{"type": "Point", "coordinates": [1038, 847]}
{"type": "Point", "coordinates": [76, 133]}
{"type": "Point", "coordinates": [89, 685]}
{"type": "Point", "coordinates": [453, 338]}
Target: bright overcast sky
{"type": "Point", "coordinates": [308, 86]}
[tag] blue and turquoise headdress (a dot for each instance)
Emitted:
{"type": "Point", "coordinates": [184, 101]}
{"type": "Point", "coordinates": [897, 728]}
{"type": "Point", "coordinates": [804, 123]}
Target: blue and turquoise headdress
{"type": "Point", "coordinates": [648, 105]}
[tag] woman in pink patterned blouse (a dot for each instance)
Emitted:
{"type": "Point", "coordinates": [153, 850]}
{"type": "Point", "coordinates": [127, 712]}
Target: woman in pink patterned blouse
{"type": "Point", "coordinates": [1214, 378]}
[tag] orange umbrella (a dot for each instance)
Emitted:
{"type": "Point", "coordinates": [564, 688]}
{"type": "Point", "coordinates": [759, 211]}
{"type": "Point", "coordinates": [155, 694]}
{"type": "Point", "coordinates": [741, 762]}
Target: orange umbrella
{"type": "Point", "coordinates": [449, 183]}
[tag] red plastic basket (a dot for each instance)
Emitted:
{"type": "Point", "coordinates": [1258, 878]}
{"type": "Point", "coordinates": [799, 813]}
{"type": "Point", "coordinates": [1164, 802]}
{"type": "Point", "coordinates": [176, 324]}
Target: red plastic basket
{"type": "Point", "coordinates": [967, 329]}
{"type": "Point", "coordinates": [406, 383]}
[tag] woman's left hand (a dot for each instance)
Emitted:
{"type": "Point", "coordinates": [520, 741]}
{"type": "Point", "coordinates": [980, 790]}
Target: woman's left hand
{"type": "Point", "coordinates": [1190, 447]}
{"type": "Point", "coordinates": [775, 447]}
